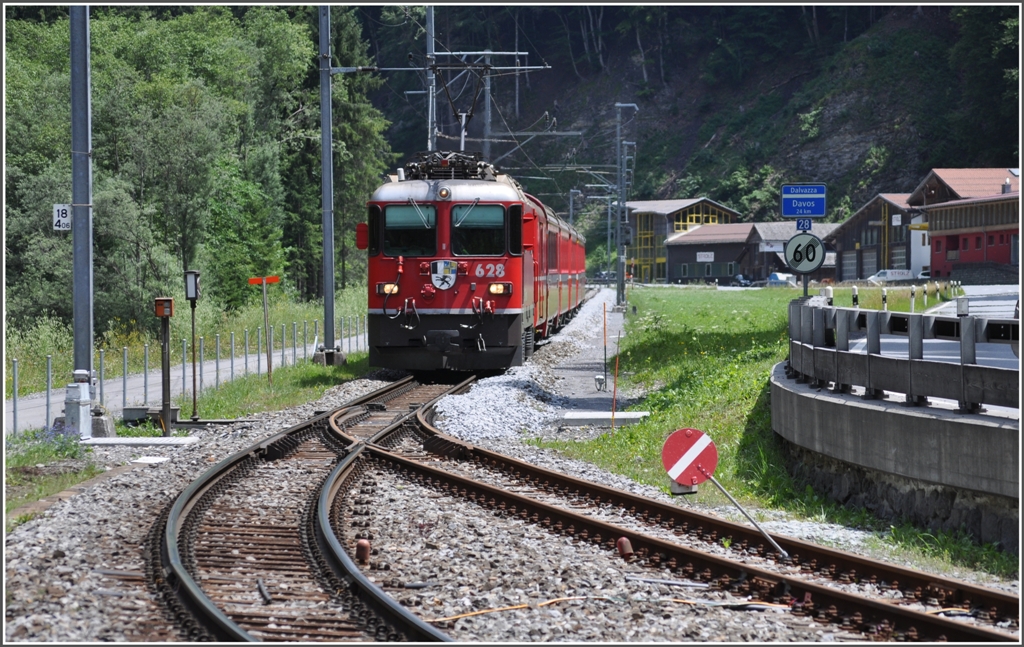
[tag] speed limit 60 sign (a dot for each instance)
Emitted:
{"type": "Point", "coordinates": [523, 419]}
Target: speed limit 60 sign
{"type": "Point", "coordinates": [804, 253]}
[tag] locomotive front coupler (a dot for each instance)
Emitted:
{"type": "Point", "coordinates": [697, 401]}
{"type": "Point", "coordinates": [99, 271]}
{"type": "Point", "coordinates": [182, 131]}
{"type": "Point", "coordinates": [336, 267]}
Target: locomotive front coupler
{"type": "Point", "coordinates": [410, 304]}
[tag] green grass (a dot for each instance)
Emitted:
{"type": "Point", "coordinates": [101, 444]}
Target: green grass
{"type": "Point", "coordinates": [293, 385]}
{"type": "Point", "coordinates": [50, 336]}
{"type": "Point", "coordinates": [705, 358]}
{"type": "Point", "coordinates": [22, 483]}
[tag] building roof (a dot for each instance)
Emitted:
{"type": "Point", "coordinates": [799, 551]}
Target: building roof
{"type": "Point", "coordinates": [898, 200]}
{"type": "Point", "coordinates": [782, 231]}
{"type": "Point", "coordinates": [668, 207]}
{"type": "Point", "coordinates": [1002, 197]}
{"type": "Point", "coordinates": [969, 182]}
{"type": "Point", "coordinates": [712, 234]}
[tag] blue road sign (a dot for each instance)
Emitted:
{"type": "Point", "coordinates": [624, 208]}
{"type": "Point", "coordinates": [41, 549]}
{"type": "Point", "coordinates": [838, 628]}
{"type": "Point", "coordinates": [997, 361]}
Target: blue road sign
{"type": "Point", "coordinates": [803, 224]}
{"type": "Point", "coordinates": [803, 200]}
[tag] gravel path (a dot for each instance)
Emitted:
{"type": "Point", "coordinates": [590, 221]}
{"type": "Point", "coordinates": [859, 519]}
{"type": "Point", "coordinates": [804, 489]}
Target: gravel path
{"type": "Point", "coordinates": [59, 587]}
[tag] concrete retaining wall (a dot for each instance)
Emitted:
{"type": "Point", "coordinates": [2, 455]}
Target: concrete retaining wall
{"type": "Point", "coordinates": [931, 466]}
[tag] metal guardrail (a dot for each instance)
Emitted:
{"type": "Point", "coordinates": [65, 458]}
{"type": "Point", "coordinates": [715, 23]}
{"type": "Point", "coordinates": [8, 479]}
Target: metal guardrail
{"type": "Point", "coordinates": [819, 337]}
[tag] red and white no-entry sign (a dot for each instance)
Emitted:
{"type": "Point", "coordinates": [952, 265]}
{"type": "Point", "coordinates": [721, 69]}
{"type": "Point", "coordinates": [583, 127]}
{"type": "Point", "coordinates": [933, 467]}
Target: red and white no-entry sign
{"type": "Point", "coordinates": [689, 456]}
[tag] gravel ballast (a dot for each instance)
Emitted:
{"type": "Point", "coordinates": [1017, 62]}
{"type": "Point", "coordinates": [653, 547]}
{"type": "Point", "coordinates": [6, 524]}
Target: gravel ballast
{"type": "Point", "coordinates": [57, 568]}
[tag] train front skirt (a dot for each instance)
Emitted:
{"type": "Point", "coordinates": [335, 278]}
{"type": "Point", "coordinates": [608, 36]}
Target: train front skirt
{"type": "Point", "coordinates": [458, 342]}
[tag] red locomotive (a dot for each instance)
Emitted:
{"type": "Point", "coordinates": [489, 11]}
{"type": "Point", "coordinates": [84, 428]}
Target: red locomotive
{"type": "Point", "coordinates": [466, 270]}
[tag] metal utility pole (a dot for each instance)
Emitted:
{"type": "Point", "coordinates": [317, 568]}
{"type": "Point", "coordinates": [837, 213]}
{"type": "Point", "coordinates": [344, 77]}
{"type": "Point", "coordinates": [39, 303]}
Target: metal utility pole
{"type": "Point", "coordinates": [572, 194]}
{"type": "Point", "coordinates": [487, 109]}
{"type": "Point", "coordinates": [620, 283]}
{"type": "Point", "coordinates": [327, 181]}
{"type": "Point", "coordinates": [79, 397]}
{"type": "Point", "coordinates": [431, 83]}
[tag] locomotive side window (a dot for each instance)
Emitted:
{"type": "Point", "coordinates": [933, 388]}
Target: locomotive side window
{"type": "Point", "coordinates": [478, 229]}
{"type": "Point", "coordinates": [515, 229]}
{"type": "Point", "coordinates": [373, 224]}
{"type": "Point", "coordinates": [410, 230]}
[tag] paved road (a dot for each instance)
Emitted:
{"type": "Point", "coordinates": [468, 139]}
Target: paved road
{"type": "Point", "coordinates": [32, 408]}
{"type": "Point", "coordinates": [992, 301]}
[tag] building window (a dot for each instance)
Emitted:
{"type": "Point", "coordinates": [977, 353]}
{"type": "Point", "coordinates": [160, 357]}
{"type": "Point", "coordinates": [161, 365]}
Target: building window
{"type": "Point", "coordinates": [707, 269]}
{"type": "Point", "coordinates": [924, 240]}
{"type": "Point", "coordinates": [977, 242]}
{"type": "Point", "coordinates": [991, 241]}
{"type": "Point", "coordinates": [963, 245]}
{"type": "Point", "coordinates": [684, 269]}
{"type": "Point", "coordinates": [731, 268]}
{"type": "Point", "coordinates": [1000, 239]}
{"type": "Point", "coordinates": [938, 245]}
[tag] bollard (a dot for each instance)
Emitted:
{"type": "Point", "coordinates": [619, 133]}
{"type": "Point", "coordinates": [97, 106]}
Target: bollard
{"type": "Point", "coordinates": [246, 351]}
{"type": "Point", "coordinates": [259, 352]}
{"type": "Point", "coordinates": [49, 386]}
{"type": "Point", "coordinates": [201, 361]}
{"type": "Point", "coordinates": [925, 306]}
{"type": "Point", "coordinates": [102, 353]}
{"type": "Point", "coordinates": [145, 375]}
{"type": "Point", "coordinates": [284, 339]}
{"type": "Point", "coordinates": [232, 356]}
{"type": "Point", "coordinates": [305, 339]}
{"type": "Point", "coordinates": [828, 295]}
{"type": "Point", "coordinates": [856, 301]}
{"type": "Point", "coordinates": [885, 299]}
{"type": "Point", "coordinates": [124, 378]}
{"type": "Point", "coordinates": [913, 297]}
{"type": "Point", "coordinates": [216, 362]}
{"type": "Point", "coordinates": [15, 417]}
{"type": "Point", "coordinates": [184, 360]}
{"type": "Point", "coordinates": [295, 326]}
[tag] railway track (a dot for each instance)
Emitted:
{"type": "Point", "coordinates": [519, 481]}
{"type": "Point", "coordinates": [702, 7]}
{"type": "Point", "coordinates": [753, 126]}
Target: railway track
{"type": "Point", "coordinates": [322, 553]}
{"type": "Point", "coordinates": [242, 557]}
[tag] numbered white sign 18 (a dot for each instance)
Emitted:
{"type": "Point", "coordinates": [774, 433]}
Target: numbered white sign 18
{"type": "Point", "coordinates": [62, 217]}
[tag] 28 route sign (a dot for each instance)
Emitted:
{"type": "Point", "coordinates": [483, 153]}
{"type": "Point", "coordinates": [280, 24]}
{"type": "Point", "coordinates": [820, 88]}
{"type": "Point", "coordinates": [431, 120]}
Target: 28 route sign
{"type": "Point", "coordinates": [689, 456]}
{"type": "Point", "coordinates": [804, 253]}
{"type": "Point", "coordinates": [803, 200]}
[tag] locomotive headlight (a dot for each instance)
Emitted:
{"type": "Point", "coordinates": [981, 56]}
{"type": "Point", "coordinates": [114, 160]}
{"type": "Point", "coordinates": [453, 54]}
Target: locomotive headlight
{"type": "Point", "coordinates": [387, 288]}
{"type": "Point", "coordinates": [444, 193]}
{"type": "Point", "coordinates": [500, 288]}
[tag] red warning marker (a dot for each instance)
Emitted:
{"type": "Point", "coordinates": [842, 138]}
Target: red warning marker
{"type": "Point", "coordinates": [689, 456]}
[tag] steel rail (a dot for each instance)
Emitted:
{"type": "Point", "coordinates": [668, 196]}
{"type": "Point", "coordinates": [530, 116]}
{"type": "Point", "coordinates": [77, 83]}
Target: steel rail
{"type": "Point", "coordinates": [415, 629]}
{"type": "Point", "coordinates": [180, 587]}
{"type": "Point", "coordinates": [807, 597]}
{"type": "Point", "coordinates": [658, 513]}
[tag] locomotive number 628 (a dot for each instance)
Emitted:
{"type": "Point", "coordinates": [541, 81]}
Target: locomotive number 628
{"type": "Point", "coordinates": [465, 268]}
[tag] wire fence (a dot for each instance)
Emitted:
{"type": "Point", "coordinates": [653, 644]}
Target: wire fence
{"type": "Point", "coordinates": [351, 338]}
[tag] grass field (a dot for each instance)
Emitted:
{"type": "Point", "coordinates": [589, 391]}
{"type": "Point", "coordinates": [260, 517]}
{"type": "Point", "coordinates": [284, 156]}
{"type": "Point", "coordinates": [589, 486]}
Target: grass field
{"type": "Point", "coordinates": [705, 357]}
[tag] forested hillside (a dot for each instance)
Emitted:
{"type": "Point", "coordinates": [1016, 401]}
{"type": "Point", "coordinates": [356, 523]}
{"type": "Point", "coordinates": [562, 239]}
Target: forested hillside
{"type": "Point", "coordinates": [206, 122]}
{"type": "Point", "coordinates": [206, 154]}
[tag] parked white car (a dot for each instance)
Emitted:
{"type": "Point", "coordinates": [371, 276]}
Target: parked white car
{"type": "Point", "coordinates": [884, 276]}
{"type": "Point", "coordinates": [924, 275]}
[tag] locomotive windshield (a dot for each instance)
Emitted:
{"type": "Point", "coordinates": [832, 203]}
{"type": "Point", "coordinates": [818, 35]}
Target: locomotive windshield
{"type": "Point", "coordinates": [478, 229]}
{"type": "Point", "coordinates": [410, 230]}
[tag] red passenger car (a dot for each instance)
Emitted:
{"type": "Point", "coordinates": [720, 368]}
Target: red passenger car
{"type": "Point", "coordinates": [466, 270]}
